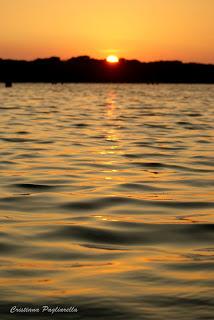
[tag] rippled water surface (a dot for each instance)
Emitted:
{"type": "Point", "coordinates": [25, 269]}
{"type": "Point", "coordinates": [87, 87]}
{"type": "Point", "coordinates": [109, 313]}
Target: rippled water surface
{"type": "Point", "coordinates": [106, 200]}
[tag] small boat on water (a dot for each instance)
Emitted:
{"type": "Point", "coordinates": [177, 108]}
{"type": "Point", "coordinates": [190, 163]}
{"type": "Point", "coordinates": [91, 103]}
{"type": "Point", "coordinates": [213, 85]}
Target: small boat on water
{"type": "Point", "coordinates": [8, 84]}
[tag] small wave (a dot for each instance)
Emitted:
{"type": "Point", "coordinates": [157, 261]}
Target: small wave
{"type": "Point", "coordinates": [18, 140]}
{"type": "Point", "coordinates": [32, 186]}
{"type": "Point", "coordinates": [107, 202]}
{"type": "Point", "coordinates": [144, 234]}
{"type": "Point", "coordinates": [160, 165]}
{"type": "Point", "coordinates": [141, 186]}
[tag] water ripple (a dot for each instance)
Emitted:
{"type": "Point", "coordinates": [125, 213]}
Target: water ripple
{"type": "Point", "coordinates": [107, 200]}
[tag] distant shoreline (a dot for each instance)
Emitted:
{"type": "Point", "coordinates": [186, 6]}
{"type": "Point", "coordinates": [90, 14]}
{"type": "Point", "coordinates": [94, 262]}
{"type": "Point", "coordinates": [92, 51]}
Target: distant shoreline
{"type": "Point", "coordinates": [84, 69]}
{"type": "Point", "coordinates": [107, 83]}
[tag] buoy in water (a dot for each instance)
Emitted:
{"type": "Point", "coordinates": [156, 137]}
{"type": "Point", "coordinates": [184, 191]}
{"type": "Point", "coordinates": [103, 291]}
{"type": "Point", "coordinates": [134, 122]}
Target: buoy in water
{"type": "Point", "coordinates": [8, 84]}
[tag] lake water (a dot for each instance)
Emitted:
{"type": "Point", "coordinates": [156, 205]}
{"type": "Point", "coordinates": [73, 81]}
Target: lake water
{"type": "Point", "coordinates": [106, 200]}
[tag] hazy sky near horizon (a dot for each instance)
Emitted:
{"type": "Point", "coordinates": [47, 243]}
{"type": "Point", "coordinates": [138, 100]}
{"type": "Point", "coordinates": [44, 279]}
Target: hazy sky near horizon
{"type": "Point", "coordinates": [143, 29]}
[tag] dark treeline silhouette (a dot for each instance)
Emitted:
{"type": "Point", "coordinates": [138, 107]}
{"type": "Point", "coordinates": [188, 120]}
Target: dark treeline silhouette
{"type": "Point", "coordinates": [86, 69]}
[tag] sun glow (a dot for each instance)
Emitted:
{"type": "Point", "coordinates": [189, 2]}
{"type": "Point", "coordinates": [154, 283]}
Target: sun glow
{"type": "Point", "coordinates": [112, 59]}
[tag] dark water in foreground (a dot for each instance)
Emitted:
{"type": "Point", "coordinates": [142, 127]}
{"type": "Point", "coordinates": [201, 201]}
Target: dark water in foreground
{"type": "Point", "coordinates": [106, 200]}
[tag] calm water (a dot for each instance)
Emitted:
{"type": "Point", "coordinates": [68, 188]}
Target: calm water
{"type": "Point", "coordinates": [106, 200]}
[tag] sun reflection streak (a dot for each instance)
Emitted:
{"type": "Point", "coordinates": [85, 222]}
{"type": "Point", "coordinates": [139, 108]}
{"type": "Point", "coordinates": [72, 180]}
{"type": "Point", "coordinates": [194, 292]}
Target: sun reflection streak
{"type": "Point", "coordinates": [112, 136]}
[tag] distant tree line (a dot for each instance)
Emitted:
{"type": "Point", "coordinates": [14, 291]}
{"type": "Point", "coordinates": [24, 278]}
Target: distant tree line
{"type": "Point", "coordinates": [86, 69]}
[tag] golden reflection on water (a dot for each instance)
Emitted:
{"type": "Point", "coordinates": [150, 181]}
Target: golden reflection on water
{"type": "Point", "coordinates": [108, 197]}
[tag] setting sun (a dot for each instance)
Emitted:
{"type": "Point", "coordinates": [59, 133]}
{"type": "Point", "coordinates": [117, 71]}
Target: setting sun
{"type": "Point", "coordinates": [112, 59]}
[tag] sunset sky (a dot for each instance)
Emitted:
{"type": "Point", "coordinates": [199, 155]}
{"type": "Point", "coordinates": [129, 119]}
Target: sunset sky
{"type": "Point", "coordinates": [147, 30]}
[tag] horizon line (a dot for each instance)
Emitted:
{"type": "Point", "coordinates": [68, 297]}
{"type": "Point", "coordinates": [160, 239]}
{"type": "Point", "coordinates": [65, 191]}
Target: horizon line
{"type": "Point", "coordinates": [104, 59]}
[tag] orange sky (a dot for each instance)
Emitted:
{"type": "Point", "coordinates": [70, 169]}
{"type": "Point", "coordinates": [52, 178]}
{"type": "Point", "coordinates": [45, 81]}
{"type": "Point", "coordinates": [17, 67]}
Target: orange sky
{"type": "Point", "coordinates": [143, 29]}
